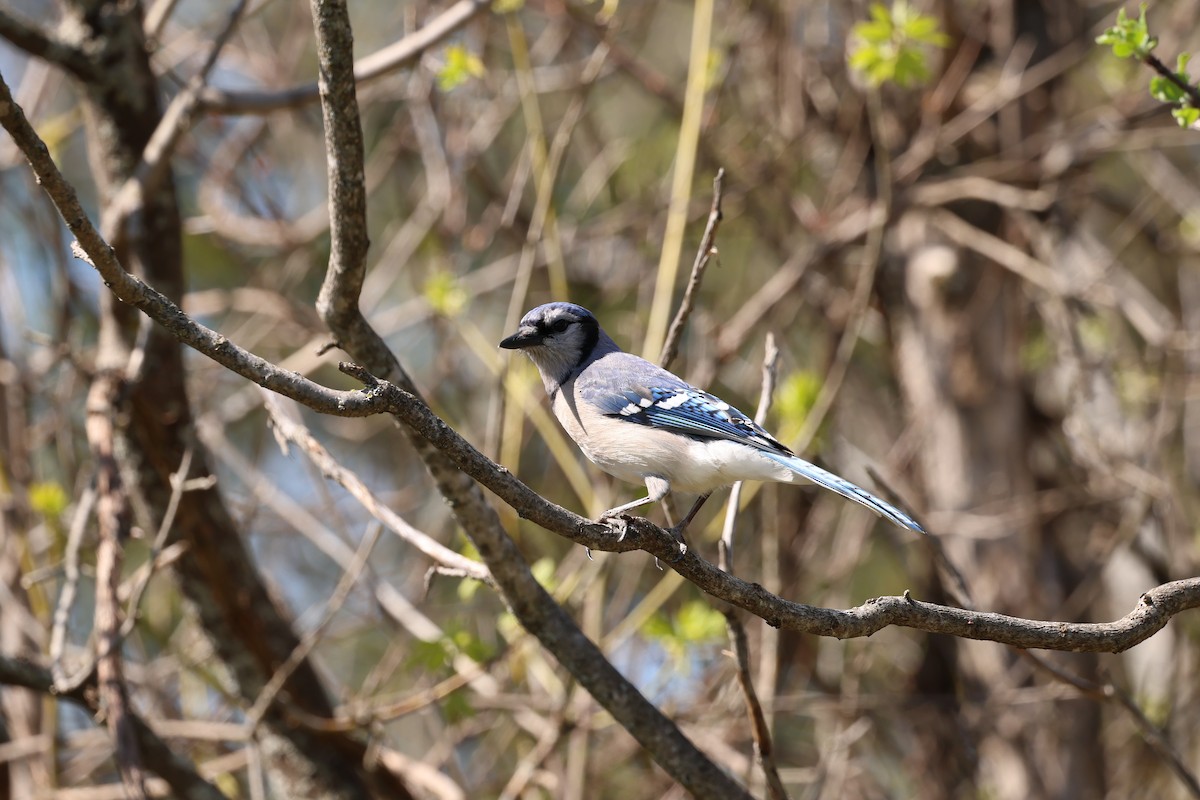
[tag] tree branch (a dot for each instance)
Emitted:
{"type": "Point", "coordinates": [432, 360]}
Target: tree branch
{"type": "Point", "coordinates": [156, 753]}
{"type": "Point", "coordinates": [1193, 92]}
{"type": "Point", "coordinates": [37, 42]}
{"type": "Point", "coordinates": [1154, 610]}
{"type": "Point", "coordinates": [383, 62]}
{"type": "Point", "coordinates": [112, 515]}
{"type": "Point", "coordinates": [288, 430]}
{"type": "Point", "coordinates": [338, 304]}
{"type": "Point", "coordinates": [540, 615]}
{"type": "Point", "coordinates": [708, 249]}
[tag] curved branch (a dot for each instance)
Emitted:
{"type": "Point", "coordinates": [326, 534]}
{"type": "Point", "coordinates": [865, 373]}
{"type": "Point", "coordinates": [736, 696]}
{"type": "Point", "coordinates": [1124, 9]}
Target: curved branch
{"type": "Point", "coordinates": [391, 58]}
{"type": "Point", "coordinates": [1153, 611]}
{"type": "Point", "coordinates": [338, 304]}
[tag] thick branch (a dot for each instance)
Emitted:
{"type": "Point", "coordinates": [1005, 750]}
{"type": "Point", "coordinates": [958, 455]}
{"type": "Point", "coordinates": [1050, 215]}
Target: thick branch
{"type": "Point", "coordinates": [1152, 612]}
{"type": "Point", "coordinates": [338, 305]}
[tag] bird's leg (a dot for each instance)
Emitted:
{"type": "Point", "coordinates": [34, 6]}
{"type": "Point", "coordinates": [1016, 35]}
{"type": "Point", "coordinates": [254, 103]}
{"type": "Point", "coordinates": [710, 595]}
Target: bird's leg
{"type": "Point", "coordinates": [678, 530]}
{"type": "Point", "coordinates": [657, 488]}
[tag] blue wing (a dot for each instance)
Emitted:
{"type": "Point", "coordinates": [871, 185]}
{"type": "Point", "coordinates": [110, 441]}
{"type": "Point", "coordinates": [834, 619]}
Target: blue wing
{"type": "Point", "coordinates": [691, 412]}
{"type": "Point", "coordinates": [688, 411]}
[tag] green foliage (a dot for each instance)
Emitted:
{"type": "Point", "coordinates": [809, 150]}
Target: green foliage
{"type": "Point", "coordinates": [794, 400]}
{"type": "Point", "coordinates": [436, 655]}
{"type": "Point", "coordinates": [1186, 116]}
{"type": "Point", "coordinates": [470, 645]}
{"type": "Point", "coordinates": [543, 572]}
{"type": "Point", "coordinates": [461, 65]}
{"type": "Point", "coordinates": [695, 623]}
{"type": "Point", "coordinates": [444, 294]}
{"type": "Point", "coordinates": [1168, 91]}
{"type": "Point", "coordinates": [48, 499]}
{"type": "Point", "coordinates": [507, 6]}
{"type": "Point", "coordinates": [457, 707]}
{"type": "Point", "coordinates": [429, 656]}
{"type": "Point", "coordinates": [890, 45]}
{"type": "Point", "coordinates": [1130, 38]}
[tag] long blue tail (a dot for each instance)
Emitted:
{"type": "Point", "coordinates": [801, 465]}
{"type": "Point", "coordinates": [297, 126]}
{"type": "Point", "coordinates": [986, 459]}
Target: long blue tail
{"type": "Point", "coordinates": [845, 488]}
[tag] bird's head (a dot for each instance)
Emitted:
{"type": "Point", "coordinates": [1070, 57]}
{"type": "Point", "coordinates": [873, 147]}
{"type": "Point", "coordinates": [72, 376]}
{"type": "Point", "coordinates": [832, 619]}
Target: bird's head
{"type": "Point", "coordinates": [557, 337]}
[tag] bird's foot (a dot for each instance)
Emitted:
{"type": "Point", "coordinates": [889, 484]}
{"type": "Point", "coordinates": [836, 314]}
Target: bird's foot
{"type": "Point", "coordinates": [621, 522]}
{"type": "Point", "coordinates": [617, 522]}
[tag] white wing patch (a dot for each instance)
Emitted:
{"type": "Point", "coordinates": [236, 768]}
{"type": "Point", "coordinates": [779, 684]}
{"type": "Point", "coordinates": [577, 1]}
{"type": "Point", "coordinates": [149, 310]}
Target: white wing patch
{"type": "Point", "coordinates": [675, 401]}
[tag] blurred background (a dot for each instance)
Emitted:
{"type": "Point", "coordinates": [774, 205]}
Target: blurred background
{"type": "Point", "coordinates": [981, 266]}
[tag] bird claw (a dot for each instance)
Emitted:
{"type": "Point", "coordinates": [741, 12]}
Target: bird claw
{"type": "Point", "coordinates": [677, 532]}
{"type": "Point", "coordinates": [619, 523]}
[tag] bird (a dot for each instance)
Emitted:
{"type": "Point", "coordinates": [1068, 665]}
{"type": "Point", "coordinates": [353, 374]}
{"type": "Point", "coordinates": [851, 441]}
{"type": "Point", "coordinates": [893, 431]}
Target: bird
{"type": "Point", "coordinates": [642, 424]}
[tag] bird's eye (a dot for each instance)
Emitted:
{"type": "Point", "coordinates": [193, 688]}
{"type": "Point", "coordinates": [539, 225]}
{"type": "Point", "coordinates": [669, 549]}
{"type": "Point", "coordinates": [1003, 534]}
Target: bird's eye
{"type": "Point", "coordinates": [560, 325]}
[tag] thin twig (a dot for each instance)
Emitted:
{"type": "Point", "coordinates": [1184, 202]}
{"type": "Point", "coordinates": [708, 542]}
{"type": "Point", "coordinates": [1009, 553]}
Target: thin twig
{"type": "Point", "coordinates": [1109, 691]}
{"type": "Point", "coordinates": [1193, 92]}
{"type": "Point", "coordinates": [63, 682]}
{"type": "Point", "coordinates": [359, 714]}
{"type": "Point", "coordinates": [43, 44]}
{"type": "Point", "coordinates": [760, 730]}
{"type": "Point", "coordinates": [395, 56]}
{"type": "Point", "coordinates": [180, 483]}
{"type": "Point", "coordinates": [156, 155]}
{"type": "Point", "coordinates": [769, 367]}
{"type": "Point", "coordinates": [300, 653]}
{"type": "Point", "coordinates": [708, 249]}
{"type": "Point", "coordinates": [112, 514]}
{"type": "Point", "coordinates": [292, 431]}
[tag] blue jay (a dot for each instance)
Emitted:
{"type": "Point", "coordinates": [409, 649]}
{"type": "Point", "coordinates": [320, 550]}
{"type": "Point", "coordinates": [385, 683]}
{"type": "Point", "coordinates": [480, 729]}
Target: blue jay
{"type": "Point", "coordinates": [640, 423]}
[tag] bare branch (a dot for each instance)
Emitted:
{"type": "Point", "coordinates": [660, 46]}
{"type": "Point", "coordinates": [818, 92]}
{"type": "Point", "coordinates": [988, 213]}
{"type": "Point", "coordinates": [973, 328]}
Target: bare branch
{"type": "Point", "coordinates": [760, 730]}
{"type": "Point", "coordinates": [1152, 612]}
{"type": "Point", "coordinates": [1156, 608]}
{"type": "Point", "coordinates": [383, 62]}
{"type": "Point", "coordinates": [537, 611]}
{"type": "Point", "coordinates": [292, 431]}
{"type": "Point", "coordinates": [40, 43]}
{"type": "Point", "coordinates": [708, 249]}
{"type": "Point", "coordinates": [179, 774]}
{"type": "Point", "coordinates": [112, 514]}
